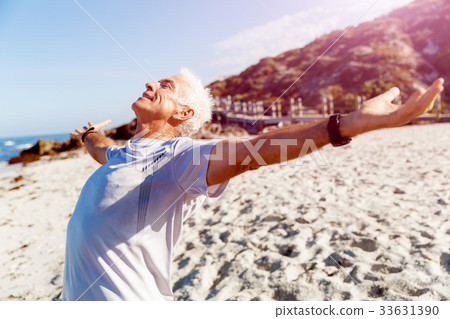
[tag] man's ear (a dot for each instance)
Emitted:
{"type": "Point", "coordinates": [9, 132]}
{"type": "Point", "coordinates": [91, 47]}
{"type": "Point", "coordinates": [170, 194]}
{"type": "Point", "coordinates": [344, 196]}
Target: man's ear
{"type": "Point", "coordinates": [184, 114]}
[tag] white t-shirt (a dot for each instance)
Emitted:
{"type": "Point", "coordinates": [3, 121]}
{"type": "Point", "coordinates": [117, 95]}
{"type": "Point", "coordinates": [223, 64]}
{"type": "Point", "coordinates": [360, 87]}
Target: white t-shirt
{"type": "Point", "coordinates": [122, 236]}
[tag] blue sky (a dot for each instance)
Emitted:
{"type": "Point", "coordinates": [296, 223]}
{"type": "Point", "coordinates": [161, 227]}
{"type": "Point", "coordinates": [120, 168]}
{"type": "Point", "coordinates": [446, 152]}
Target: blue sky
{"type": "Point", "coordinates": [58, 69]}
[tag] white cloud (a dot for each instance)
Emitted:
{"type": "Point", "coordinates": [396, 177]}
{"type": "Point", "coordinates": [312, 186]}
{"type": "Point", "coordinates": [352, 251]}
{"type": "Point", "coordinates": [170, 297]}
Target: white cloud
{"type": "Point", "coordinates": [248, 46]}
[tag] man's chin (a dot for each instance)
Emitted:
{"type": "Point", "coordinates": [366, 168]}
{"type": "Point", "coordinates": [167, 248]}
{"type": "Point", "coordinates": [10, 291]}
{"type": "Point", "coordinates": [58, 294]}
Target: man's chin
{"type": "Point", "coordinates": [140, 102]}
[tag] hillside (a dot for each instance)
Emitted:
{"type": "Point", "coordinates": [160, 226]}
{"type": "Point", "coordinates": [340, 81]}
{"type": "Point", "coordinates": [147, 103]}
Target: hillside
{"type": "Point", "coordinates": [406, 48]}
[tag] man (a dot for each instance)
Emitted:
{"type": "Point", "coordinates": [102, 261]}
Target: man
{"type": "Point", "coordinates": [128, 220]}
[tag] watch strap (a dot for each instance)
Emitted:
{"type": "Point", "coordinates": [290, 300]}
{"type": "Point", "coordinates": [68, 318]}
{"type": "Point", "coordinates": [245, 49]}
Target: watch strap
{"type": "Point", "coordinates": [333, 130]}
{"type": "Point", "coordinates": [88, 131]}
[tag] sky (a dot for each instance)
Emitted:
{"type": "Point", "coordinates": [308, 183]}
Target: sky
{"type": "Point", "coordinates": [59, 69]}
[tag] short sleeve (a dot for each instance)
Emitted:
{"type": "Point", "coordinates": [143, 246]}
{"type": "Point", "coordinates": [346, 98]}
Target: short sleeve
{"type": "Point", "coordinates": [190, 166]}
{"type": "Point", "coordinates": [112, 151]}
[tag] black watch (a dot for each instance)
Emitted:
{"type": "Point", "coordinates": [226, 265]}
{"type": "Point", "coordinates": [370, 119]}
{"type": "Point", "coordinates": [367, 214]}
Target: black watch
{"type": "Point", "coordinates": [89, 130]}
{"type": "Point", "coordinates": [333, 129]}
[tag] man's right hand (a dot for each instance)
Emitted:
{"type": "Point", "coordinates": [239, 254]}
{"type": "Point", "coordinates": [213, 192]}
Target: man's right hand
{"type": "Point", "coordinates": [95, 144]}
{"type": "Point", "coordinates": [97, 127]}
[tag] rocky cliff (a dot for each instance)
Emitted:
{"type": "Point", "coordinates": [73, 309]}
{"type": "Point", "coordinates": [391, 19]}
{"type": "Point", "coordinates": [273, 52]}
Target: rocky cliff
{"type": "Point", "coordinates": [407, 48]}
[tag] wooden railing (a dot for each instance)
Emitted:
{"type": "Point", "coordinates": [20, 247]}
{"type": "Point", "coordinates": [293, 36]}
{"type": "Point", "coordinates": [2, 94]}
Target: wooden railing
{"type": "Point", "coordinates": [255, 115]}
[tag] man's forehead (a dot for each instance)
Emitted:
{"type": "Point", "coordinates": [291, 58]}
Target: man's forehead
{"type": "Point", "coordinates": [179, 81]}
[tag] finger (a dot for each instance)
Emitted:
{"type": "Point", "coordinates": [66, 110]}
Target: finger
{"type": "Point", "coordinates": [79, 131]}
{"type": "Point", "coordinates": [437, 85]}
{"type": "Point", "coordinates": [431, 94]}
{"type": "Point", "coordinates": [73, 134]}
{"type": "Point", "coordinates": [90, 124]}
{"type": "Point", "coordinates": [99, 126]}
{"type": "Point", "coordinates": [85, 128]}
{"type": "Point", "coordinates": [391, 94]}
{"type": "Point", "coordinates": [415, 97]}
{"type": "Point", "coordinates": [438, 82]}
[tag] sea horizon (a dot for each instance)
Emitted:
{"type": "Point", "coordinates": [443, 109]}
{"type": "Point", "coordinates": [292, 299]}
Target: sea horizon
{"type": "Point", "coordinates": [12, 146]}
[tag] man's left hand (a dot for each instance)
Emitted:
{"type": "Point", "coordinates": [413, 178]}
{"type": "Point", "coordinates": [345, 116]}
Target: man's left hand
{"type": "Point", "coordinates": [380, 112]}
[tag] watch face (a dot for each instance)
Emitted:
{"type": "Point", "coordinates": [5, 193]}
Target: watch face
{"type": "Point", "coordinates": [341, 142]}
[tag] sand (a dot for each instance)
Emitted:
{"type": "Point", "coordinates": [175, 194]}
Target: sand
{"type": "Point", "coordinates": [379, 207]}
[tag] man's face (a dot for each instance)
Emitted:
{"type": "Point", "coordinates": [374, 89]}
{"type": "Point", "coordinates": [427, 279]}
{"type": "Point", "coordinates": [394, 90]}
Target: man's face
{"type": "Point", "coordinates": [160, 100]}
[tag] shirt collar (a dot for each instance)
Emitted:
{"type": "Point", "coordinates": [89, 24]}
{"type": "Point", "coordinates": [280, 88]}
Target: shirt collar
{"type": "Point", "coordinates": [139, 146]}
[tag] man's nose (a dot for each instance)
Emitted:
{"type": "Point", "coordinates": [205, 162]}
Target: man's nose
{"type": "Point", "coordinates": [151, 86]}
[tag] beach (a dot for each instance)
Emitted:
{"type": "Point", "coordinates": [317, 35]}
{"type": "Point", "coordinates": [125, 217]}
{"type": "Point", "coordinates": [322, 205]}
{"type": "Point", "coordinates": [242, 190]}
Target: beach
{"type": "Point", "coordinates": [367, 221]}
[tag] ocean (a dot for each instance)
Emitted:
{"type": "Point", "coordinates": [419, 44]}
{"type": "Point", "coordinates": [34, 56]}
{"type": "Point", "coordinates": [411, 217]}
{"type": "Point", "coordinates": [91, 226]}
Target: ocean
{"type": "Point", "coordinates": [11, 146]}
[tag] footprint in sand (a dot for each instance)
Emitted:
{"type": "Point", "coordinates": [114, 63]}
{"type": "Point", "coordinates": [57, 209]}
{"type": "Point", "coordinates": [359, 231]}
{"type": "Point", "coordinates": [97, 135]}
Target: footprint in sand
{"type": "Point", "coordinates": [365, 244]}
{"type": "Point", "coordinates": [445, 261]}
{"type": "Point", "coordinates": [385, 269]}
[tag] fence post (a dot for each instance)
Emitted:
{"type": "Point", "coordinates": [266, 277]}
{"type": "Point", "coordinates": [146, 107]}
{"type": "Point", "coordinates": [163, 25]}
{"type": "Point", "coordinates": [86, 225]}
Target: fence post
{"type": "Point", "coordinates": [252, 108]}
{"type": "Point", "coordinates": [331, 106]}
{"type": "Point", "coordinates": [259, 108]}
{"type": "Point", "coordinates": [300, 106]}
{"type": "Point", "coordinates": [229, 103]}
{"type": "Point", "coordinates": [324, 106]}
{"type": "Point", "coordinates": [217, 103]}
{"type": "Point", "coordinates": [292, 108]}
{"type": "Point", "coordinates": [236, 108]}
{"type": "Point", "coordinates": [438, 106]}
{"type": "Point", "coordinates": [358, 101]}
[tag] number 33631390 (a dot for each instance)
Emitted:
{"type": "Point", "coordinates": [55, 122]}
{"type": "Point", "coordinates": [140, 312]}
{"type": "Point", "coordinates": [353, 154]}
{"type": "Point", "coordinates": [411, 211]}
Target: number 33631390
{"type": "Point", "coordinates": [411, 310]}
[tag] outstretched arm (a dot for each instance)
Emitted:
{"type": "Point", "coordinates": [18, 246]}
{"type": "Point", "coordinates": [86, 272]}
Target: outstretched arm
{"type": "Point", "coordinates": [235, 157]}
{"type": "Point", "coordinates": [95, 143]}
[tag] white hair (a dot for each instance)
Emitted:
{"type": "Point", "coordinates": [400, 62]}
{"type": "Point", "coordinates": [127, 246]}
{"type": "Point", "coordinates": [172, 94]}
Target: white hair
{"type": "Point", "coordinates": [198, 98]}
